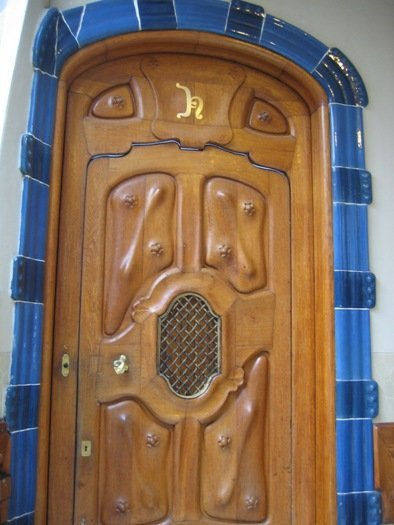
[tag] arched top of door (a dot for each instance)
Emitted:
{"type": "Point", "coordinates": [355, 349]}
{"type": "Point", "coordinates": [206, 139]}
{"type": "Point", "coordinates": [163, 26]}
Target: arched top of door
{"type": "Point", "coordinates": [70, 41]}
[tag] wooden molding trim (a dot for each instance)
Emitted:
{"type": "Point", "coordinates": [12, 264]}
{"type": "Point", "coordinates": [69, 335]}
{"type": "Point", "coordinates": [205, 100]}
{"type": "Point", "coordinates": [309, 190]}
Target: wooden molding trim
{"type": "Point", "coordinates": [384, 467]}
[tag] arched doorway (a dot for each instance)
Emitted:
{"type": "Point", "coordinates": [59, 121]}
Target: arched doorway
{"type": "Point", "coordinates": [128, 116]}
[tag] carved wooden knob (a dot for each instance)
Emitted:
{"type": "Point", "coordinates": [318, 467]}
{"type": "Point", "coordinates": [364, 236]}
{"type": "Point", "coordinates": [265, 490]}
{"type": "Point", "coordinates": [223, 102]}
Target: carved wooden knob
{"type": "Point", "coordinates": [251, 502]}
{"type": "Point", "coordinates": [224, 441]}
{"type": "Point", "coordinates": [224, 250]}
{"type": "Point", "coordinates": [249, 208]}
{"type": "Point", "coordinates": [156, 249]}
{"type": "Point", "coordinates": [130, 200]}
{"type": "Point", "coordinates": [122, 506]}
{"type": "Point", "coordinates": [152, 440]}
{"type": "Point", "coordinates": [264, 116]}
{"type": "Point", "coordinates": [117, 101]}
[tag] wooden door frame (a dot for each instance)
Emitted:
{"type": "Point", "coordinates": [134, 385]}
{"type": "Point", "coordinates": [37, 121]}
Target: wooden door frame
{"type": "Point", "coordinates": [318, 279]}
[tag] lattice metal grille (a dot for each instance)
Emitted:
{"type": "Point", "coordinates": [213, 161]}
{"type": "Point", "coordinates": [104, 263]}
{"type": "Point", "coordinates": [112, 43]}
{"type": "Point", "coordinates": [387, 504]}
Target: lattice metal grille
{"type": "Point", "coordinates": [189, 345]}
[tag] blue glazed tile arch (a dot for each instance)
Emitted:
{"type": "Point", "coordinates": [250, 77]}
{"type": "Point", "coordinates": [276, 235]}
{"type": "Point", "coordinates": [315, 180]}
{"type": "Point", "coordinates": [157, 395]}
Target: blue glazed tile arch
{"type": "Point", "coordinates": [60, 35]}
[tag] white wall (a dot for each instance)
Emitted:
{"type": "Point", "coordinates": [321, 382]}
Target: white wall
{"type": "Point", "coordinates": [363, 31]}
{"type": "Point", "coordinates": [19, 20]}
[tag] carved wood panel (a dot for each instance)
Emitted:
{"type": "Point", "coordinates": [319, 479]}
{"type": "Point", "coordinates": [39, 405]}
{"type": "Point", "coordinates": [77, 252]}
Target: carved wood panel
{"type": "Point", "coordinates": [206, 434]}
{"type": "Point", "coordinates": [134, 447]}
{"type": "Point", "coordinates": [139, 239]}
{"type": "Point", "coordinates": [142, 99]}
{"type": "Point", "coordinates": [234, 233]}
{"type": "Point", "coordinates": [233, 456]}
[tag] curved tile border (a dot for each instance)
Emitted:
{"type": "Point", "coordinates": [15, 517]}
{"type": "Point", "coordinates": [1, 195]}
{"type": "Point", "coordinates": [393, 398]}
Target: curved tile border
{"type": "Point", "coordinates": [60, 35]}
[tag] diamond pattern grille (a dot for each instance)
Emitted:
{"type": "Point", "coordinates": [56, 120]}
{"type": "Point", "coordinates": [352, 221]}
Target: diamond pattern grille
{"type": "Point", "coordinates": [189, 345]}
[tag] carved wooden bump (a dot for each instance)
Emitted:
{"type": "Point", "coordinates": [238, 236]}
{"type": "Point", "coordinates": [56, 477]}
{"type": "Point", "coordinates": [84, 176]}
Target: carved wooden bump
{"type": "Point", "coordinates": [130, 200]}
{"type": "Point", "coordinates": [114, 103]}
{"type": "Point", "coordinates": [122, 506]}
{"type": "Point", "coordinates": [224, 441]}
{"type": "Point", "coordinates": [266, 118]}
{"type": "Point", "coordinates": [152, 440]}
{"type": "Point", "coordinates": [137, 209]}
{"type": "Point", "coordinates": [251, 502]}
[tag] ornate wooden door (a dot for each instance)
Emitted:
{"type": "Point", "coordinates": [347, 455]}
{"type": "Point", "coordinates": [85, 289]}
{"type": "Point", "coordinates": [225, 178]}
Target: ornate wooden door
{"type": "Point", "coordinates": [174, 297]}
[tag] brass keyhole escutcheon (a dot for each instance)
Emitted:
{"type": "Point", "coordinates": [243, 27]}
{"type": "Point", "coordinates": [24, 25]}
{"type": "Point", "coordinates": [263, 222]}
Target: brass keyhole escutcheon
{"type": "Point", "coordinates": [120, 365]}
{"type": "Point", "coordinates": [65, 365]}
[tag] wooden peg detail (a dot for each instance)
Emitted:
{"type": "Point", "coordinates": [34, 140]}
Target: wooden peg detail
{"type": "Point", "coordinates": [265, 117]}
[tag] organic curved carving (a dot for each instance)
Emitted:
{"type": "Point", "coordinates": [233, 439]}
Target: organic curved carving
{"type": "Point", "coordinates": [139, 240]}
{"type": "Point", "coordinates": [124, 489]}
{"type": "Point", "coordinates": [234, 233]}
{"type": "Point", "coordinates": [233, 483]}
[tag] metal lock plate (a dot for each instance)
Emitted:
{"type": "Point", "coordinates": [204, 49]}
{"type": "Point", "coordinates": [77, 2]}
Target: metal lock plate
{"type": "Point", "coordinates": [86, 449]}
{"type": "Point", "coordinates": [65, 365]}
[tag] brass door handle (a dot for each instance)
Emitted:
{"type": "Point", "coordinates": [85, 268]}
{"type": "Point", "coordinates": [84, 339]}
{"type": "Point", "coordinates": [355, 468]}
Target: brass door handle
{"type": "Point", "coordinates": [120, 365]}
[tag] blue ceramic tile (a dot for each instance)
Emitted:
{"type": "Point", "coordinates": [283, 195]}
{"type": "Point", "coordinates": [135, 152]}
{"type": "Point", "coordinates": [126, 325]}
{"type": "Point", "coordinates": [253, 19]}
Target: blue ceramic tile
{"type": "Point", "coordinates": [347, 141]}
{"type": "Point", "coordinates": [27, 280]}
{"type": "Point", "coordinates": [35, 200]}
{"type": "Point", "coordinates": [107, 18]}
{"type": "Point", "coordinates": [340, 79]}
{"type": "Point", "coordinates": [73, 18]}
{"type": "Point", "coordinates": [44, 47]}
{"type": "Point", "coordinates": [26, 519]}
{"type": "Point", "coordinates": [35, 158]}
{"type": "Point", "coordinates": [333, 83]}
{"type": "Point", "coordinates": [359, 508]}
{"type": "Point", "coordinates": [344, 65]}
{"type": "Point", "coordinates": [351, 186]}
{"type": "Point", "coordinates": [354, 455]}
{"type": "Point", "coordinates": [157, 14]}
{"type": "Point", "coordinates": [23, 472]}
{"type": "Point", "coordinates": [350, 237]}
{"type": "Point", "coordinates": [42, 107]}
{"type": "Point", "coordinates": [352, 344]}
{"type": "Point", "coordinates": [27, 344]}
{"type": "Point", "coordinates": [291, 42]}
{"type": "Point", "coordinates": [67, 44]}
{"type": "Point", "coordinates": [356, 399]}
{"type": "Point", "coordinates": [202, 15]}
{"type": "Point", "coordinates": [354, 289]}
{"type": "Point", "coordinates": [245, 21]}
{"type": "Point", "coordinates": [21, 407]}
